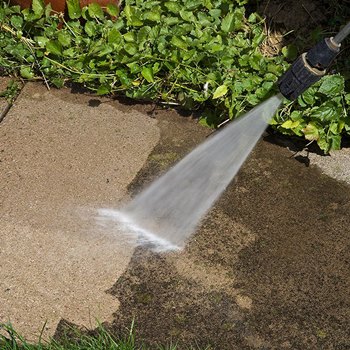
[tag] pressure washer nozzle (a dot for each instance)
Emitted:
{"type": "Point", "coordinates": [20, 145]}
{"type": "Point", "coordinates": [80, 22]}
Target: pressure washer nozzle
{"type": "Point", "coordinates": [308, 68]}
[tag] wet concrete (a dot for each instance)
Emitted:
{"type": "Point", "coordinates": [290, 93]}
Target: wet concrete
{"type": "Point", "coordinates": [267, 269]}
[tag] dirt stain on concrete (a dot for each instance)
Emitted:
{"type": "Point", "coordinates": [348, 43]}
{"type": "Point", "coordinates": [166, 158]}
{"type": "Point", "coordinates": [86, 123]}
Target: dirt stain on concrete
{"type": "Point", "coordinates": [267, 269]}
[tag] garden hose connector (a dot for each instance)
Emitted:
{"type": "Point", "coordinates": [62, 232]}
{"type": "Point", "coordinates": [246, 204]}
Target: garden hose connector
{"type": "Point", "coordinates": [307, 69]}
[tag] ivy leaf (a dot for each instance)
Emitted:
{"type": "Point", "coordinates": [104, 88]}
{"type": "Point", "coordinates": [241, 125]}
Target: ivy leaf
{"type": "Point", "coordinates": [103, 90]}
{"type": "Point", "coordinates": [112, 10]}
{"type": "Point", "coordinates": [220, 91]}
{"type": "Point", "coordinates": [311, 132]}
{"type": "Point", "coordinates": [130, 48]}
{"type": "Point", "coordinates": [335, 142]}
{"type": "Point", "coordinates": [41, 40]}
{"type": "Point", "coordinates": [326, 112]}
{"type": "Point", "coordinates": [290, 52]}
{"type": "Point", "coordinates": [95, 11]}
{"type": "Point", "coordinates": [38, 7]}
{"type": "Point", "coordinates": [74, 10]}
{"type": "Point", "coordinates": [187, 16]}
{"type": "Point", "coordinates": [308, 97]}
{"type": "Point", "coordinates": [147, 73]}
{"type": "Point", "coordinates": [332, 85]}
{"type": "Point", "coordinates": [90, 28]}
{"type": "Point", "coordinates": [173, 6]}
{"type": "Point", "coordinates": [26, 72]}
{"type": "Point", "coordinates": [228, 23]}
{"type": "Point", "coordinates": [290, 124]}
{"type": "Point", "coordinates": [54, 47]}
{"type": "Point", "coordinates": [114, 36]}
{"type": "Point", "coordinates": [179, 43]}
{"type": "Point", "coordinates": [64, 38]}
{"type": "Point", "coordinates": [153, 16]}
{"type": "Point", "coordinates": [17, 22]}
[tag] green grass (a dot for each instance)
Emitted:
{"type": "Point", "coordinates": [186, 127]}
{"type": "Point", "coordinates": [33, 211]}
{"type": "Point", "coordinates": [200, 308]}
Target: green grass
{"type": "Point", "coordinates": [100, 339]}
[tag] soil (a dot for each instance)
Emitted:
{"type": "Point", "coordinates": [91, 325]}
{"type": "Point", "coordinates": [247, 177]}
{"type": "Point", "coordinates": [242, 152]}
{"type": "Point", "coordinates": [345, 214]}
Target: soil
{"type": "Point", "coordinates": [302, 23]}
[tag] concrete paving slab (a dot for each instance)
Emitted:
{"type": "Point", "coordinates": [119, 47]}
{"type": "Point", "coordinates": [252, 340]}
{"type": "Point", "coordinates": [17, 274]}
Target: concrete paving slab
{"type": "Point", "coordinates": [63, 155]}
{"type": "Point", "coordinates": [335, 165]}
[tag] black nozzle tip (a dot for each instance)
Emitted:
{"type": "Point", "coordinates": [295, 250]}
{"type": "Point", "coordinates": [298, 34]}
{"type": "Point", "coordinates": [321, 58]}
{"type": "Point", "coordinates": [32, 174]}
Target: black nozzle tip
{"type": "Point", "coordinates": [308, 68]}
{"type": "Point", "coordinates": [298, 78]}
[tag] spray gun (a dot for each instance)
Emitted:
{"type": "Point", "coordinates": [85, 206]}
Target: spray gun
{"type": "Point", "coordinates": [311, 66]}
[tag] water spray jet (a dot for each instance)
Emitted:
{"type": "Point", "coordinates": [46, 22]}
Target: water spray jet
{"type": "Point", "coordinates": [169, 210]}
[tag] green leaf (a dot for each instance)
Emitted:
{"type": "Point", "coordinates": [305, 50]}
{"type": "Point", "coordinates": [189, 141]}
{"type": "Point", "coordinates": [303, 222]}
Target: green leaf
{"type": "Point", "coordinates": [74, 10]}
{"type": "Point", "coordinates": [17, 22]}
{"type": "Point", "coordinates": [290, 52]}
{"type": "Point", "coordinates": [296, 116]}
{"type": "Point", "coordinates": [187, 16]}
{"type": "Point", "coordinates": [132, 16]}
{"type": "Point", "coordinates": [112, 10]}
{"type": "Point", "coordinates": [95, 11]}
{"type": "Point", "coordinates": [228, 23]}
{"type": "Point", "coordinates": [103, 90]}
{"type": "Point", "coordinates": [220, 91]}
{"type": "Point", "coordinates": [64, 38]}
{"type": "Point", "coordinates": [179, 43]}
{"type": "Point", "coordinates": [311, 132]}
{"type": "Point", "coordinates": [147, 73]}
{"type": "Point", "coordinates": [332, 85]}
{"type": "Point", "coordinates": [173, 6]}
{"type": "Point", "coordinates": [129, 37]}
{"type": "Point", "coordinates": [26, 72]}
{"type": "Point", "coordinates": [252, 18]}
{"type": "Point", "coordinates": [90, 28]}
{"type": "Point", "coordinates": [308, 97]}
{"type": "Point", "coordinates": [335, 142]}
{"type": "Point", "coordinates": [114, 36]}
{"type": "Point", "coordinates": [130, 48]}
{"type": "Point", "coordinates": [41, 40]}
{"type": "Point", "coordinates": [153, 16]}
{"type": "Point", "coordinates": [324, 143]}
{"type": "Point", "coordinates": [58, 82]}
{"type": "Point", "coordinates": [326, 112]}
{"type": "Point", "coordinates": [290, 124]}
{"type": "Point", "coordinates": [347, 99]}
{"type": "Point", "coordinates": [38, 7]}
{"type": "Point", "coordinates": [54, 47]}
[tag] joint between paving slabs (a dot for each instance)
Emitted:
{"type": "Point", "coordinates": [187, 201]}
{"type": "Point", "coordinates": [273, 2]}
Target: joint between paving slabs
{"type": "Point", "coordinates": [10, 103]}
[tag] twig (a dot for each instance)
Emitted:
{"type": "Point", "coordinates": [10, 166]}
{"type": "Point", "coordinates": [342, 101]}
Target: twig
{"type": "Point", "coordinates": [5, 111]}
{"type": "Point", "coordinates": [29, 43]}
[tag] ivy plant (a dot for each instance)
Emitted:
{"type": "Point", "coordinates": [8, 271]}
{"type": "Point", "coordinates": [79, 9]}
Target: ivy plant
{"type": "Point", "coordinates": [197, 54]}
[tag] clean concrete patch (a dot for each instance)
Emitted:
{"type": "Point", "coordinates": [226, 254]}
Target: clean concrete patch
{"type": "Point", "coordinates": [62, 156]}
{"type": "Point", "coordinates": [335, 165]}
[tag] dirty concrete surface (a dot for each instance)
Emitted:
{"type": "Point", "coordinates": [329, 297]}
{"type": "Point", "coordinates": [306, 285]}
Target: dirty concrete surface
{"type": "Point", "coordinates": [267, 269]}
{"type": "Point", "coordinates": [62, 156]}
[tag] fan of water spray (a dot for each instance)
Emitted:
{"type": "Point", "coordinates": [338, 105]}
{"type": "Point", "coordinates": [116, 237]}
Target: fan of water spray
{"type": "Point", "coordinates": [169, 210]}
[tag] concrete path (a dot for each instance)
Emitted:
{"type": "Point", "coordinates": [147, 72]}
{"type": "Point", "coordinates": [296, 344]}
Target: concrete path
{"type": "Point", "coordinates": [62, 156]}
{"type": "Point", "coordinates": [268, 268]}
